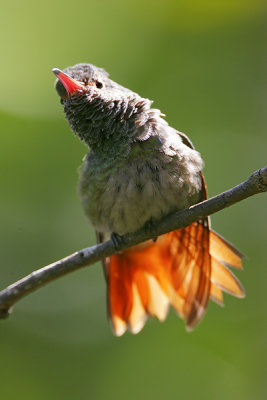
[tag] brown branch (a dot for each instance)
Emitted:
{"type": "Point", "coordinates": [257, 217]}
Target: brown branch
{"type": "Point", "coordinates": [256, 183]}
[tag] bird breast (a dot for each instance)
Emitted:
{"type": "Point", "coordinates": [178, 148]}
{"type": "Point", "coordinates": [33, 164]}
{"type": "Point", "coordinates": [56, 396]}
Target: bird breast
{"type": "Point", "coordinates": [123, 196]}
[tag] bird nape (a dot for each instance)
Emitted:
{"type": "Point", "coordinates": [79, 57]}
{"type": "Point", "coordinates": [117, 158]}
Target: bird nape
{"type": "Point", "coordinates": [138, 170]}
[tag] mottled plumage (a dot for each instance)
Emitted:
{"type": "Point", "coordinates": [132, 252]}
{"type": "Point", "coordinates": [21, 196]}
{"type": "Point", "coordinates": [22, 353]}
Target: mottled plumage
{"type": "Point", "coordinates": [138, 170]}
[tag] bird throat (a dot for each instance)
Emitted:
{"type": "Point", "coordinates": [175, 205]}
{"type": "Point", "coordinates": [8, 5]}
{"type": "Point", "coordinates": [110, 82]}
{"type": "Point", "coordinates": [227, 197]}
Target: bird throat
{"type": "Point", "coordinates": [108, 127]}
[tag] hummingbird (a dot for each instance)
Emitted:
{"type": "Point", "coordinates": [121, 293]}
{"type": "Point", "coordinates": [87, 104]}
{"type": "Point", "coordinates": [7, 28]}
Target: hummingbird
{"type": "Point", "coordinates": [138, 170]}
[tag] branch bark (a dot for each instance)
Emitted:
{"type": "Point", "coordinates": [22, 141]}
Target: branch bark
{"type": "Point", "coordinates": [256, 183]}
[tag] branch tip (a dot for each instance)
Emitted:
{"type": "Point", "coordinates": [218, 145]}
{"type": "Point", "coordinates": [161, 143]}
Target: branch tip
{"type": "Point", "coordinates": [262, 179]}
{"type": "Point", "coordinates": [5, 312]}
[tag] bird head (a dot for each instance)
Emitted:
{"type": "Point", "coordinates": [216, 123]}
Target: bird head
{"type": "Point", "coordinates": [104, 114]}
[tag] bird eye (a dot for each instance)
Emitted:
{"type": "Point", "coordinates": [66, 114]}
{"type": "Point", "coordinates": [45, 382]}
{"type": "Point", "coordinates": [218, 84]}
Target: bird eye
{"type": "Point", "coordinates": [99, 85]}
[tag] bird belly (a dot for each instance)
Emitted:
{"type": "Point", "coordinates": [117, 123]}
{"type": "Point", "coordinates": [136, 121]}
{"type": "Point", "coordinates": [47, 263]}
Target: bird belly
{"type": "Point", "coordinates": [127, 197]}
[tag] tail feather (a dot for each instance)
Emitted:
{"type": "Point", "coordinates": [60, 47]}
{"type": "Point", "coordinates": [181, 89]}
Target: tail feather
{"type": "Point", "coordinates": [158, 304]}
{"type": "Point", "coordinates": [137, 287]}
{"type": "Point", "coordinates": [183, 269]}
{"type": "Point", "coordinates": [190, 271]}
{"type": "Point", "coordinates": [216, 294]}
{"type": "Point", "coordinates": [224, 251]}
{"type": "Point", "coordinates": [224, 279]}
{"type": "Point", "coordinates": [138, 315]}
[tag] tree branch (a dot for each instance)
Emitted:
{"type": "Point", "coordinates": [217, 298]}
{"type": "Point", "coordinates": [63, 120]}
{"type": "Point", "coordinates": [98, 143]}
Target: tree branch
{"type": "Point", "coordinates": [256, 183]}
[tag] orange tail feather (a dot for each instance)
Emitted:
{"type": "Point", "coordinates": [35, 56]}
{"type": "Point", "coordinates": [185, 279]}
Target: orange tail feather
{"type": "Point", "coordinates": [183, 268]}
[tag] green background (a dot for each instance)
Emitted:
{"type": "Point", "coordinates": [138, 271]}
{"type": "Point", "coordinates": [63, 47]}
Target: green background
{"type": "Point", "coordinates": [203, 64]}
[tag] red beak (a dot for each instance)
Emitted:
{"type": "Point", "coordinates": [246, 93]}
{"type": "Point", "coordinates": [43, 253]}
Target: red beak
{"type": "Point", "coordinates": [70, 84]}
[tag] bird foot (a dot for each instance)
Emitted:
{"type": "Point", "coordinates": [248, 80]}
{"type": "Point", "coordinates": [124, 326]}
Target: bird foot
{"type": "Point", "coordinates": [149, 227]}
{"type": "Point", "coordinates": [117, 241]}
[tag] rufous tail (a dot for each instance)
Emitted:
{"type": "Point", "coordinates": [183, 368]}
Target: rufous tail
{"type": "Point", "coordinates": [183, 269]}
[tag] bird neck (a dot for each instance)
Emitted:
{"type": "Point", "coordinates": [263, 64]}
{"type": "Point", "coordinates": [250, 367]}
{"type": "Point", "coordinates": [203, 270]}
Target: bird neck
{"type": "Point", "coordinates": [110, 127]}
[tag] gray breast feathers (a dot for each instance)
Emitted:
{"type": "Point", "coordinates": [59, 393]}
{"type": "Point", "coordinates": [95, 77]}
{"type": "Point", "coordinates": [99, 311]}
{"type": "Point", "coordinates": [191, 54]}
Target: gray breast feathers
{"type": "Point", "coordinates": [122, 198]}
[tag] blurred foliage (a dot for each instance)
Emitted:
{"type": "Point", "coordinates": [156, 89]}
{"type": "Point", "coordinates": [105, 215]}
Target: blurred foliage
{"type": "Point", "coordinates": [203, 64]}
